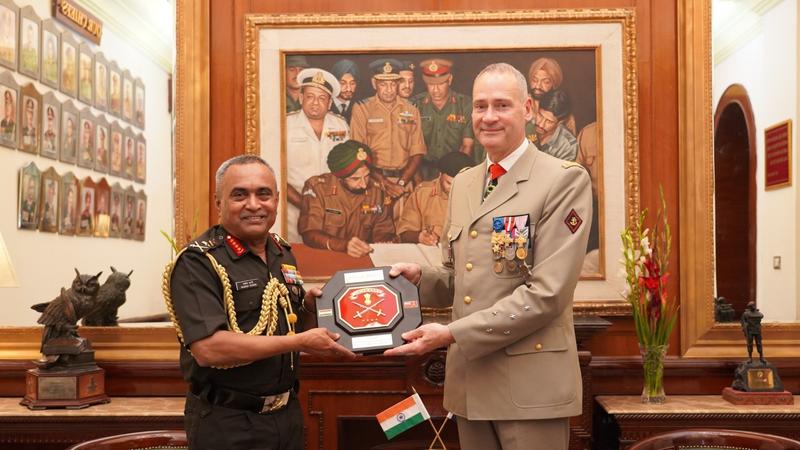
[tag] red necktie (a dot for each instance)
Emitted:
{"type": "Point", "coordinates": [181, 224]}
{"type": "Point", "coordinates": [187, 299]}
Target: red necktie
{"type": "Point", "coordinates": [495, 172]}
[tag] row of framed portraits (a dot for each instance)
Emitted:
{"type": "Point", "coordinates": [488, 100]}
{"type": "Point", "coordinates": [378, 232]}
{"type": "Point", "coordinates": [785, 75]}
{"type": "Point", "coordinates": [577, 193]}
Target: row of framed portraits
{"type": "Point", "coordinates": [63, 204]}
{"type": "Point", "coordinates": [40, 49]}
{"type": "Point", "coordinates": [42, 125]}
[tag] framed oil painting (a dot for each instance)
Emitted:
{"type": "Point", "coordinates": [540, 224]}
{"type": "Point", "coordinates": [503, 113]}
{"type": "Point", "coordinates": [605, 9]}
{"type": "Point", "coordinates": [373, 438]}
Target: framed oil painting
{"type": "Point", "coordinates": [88, 196]}
{"type": "Point", "coordinates": [129, 213]}
{"type": "Point", "coordinates": [29, 140]}
{"type": "Point", "coordinates": [51, 38]}
{"type": "Point", "coordinates": [30, 42]}
{"type": "Point", "coordinates": [100, 82]}
{"type": "Point", "coordinates": [9, 21]}
{"type": "Point", "coordinates": [86, 153]}
{"type": "Point", "coordinates": [69, 64]}
{"type": "Point", "coordinates": [85, 73]}
{"type": "Point", "coordinates": [138, 110]}
{"type": "Point", "coordinates": [115, 159]}
{"type": "Point", "coordinates": [48, 211]}
{"type": "Point", "coordinates": [30, 182]}
{"type": "Point", "coordinates": [69, 192]}
{"type": "Point", "coordinates": [114, 89]}
{"type": "Point", "coordinates": [9, 124]}
{"type": "Point", "coordinates": [102, 140]}
{"type": "Point", "coordinates": [69, 132]}
{"type": "Point", "coordinates": [141, 158]}
{"type": "Point", "coordinates": [585, 58]}
{"type": "Point", "coordinates": [117, 207]}
{"type": "Point", "coordinates": [51, 126]}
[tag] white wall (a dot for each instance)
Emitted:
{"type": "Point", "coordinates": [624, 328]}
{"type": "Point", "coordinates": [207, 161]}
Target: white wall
{"type": "Point", "coordinates": [44, 261]}
{"type": "Point", "coordinates": [767, 67]}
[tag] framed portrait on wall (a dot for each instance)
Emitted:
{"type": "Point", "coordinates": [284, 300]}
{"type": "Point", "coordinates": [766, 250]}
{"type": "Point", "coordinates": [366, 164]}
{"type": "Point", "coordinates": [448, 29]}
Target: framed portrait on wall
{"type": "Point", "coordinates": [117, 210]}
{"type": "Point", "coordinates": [30, 45]}
{"type": "Point", "coordinates": [114, 89]}
{"type": "Point", "coordinates": [141, 158]}
{"type": "Point", "coordinates": [69, 64]}
{"type": "Point", "coordinates": [86, 74]}
{"type": "Point", "coordinates": [30, 181]}
{"type": "Point", "coordinates": [51, 121]}
{"type": "Point", "coordinates": [68, 204]}
{"type": "Point", "coordinates": [129, 155]}
{"type": "Point", "coordinates": [9, 129]}
{"type": "Point", "coordinates": [9, 20]}
{"type": "Point", "coordinates": [29, 140]}
{"type": "Point", "coordinates": [588, 57]}
{"type": "Point", "coordinates": [86, 140]}
{"type": "Point", "coordinates": [127, 96]}
{"type": "Point", "coordinates": [129, 213]}
{"type": "Point", "coordinates": [102, 205]}
{"type": "Point", "coordinates": [115, 159]}
{"type": "Point", "coordinates": [100, 82]}
{"type": "Point", "coordinates": [48, 211]}
{"type": "Point", "coordinates": [102, 140]}
{"type": "Point", "coordinates": [51, 38]}
{"type": "Point", "coordinates": [87, 198]}
{"type": "Point", "coordinates": [139, 103]}
{"type": "Point", "coordinates": [69, 132]}
{"type": "Point", "coordinates": [141, 216]}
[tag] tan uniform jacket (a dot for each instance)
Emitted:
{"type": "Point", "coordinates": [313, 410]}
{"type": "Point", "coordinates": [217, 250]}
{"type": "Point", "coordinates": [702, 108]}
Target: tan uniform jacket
{"type": "Point", "coordinates": [515, 354]}
{"type": "Point", "coordinates": [393, 133]}
{"type": "Point", "coordinates": [424, 209]}
{"type": "Point", "coordinates": [328, 207]}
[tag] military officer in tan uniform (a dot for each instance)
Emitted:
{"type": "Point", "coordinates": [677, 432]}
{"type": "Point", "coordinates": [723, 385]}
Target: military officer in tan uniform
{"type": "Point", "coordinates": [345, 211]}
{"type": "Point", "coordinates": [423, 214]}
{"type": "Point", "coordinates": [390, 126]}
{"type": "Point", "coordinates": [446, 115]}
{"type": "Point", "coordinates": [310, 134]}
{"type": "Point", "coordinates": [517, 228]}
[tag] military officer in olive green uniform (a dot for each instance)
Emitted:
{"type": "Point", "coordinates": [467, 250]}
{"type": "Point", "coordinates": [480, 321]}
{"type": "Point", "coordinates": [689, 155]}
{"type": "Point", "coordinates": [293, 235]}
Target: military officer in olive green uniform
{"type": "Point", "coordinates": [423, 214]}
{"type": "Point", "coordinates": [345, 210]}
{"type": "Point", "coordinates": [294, 64]}
{"type": "Point", "coordinates": [390, 126]}
{"type": "Point", "coordinates": [516, 230]}
{"type": "Point", "coordinates": [242, 372]}
{"type": "Point", "coordinates": [446, 115]}
{"type": "Point", "coordinates": [552, 135]}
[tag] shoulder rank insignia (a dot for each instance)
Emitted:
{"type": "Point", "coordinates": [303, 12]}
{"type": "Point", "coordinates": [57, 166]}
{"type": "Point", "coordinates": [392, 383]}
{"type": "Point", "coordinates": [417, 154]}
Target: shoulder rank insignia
{"type": "Point", "coordinates": [281, 241]}
{"type": "Point", "coordinates": [568, 164]}
{"type": "Point", "coordinates": [291, 275]}
{"type": "Point", "coordinates": [202, 246]}
{"type": "Point", "coordinates": [235, 245]}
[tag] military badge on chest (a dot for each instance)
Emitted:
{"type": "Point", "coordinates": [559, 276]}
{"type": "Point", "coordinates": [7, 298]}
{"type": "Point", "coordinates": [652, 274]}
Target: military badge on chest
{"type": "Point", "coordinates": [336, 135]}
{"type": "Point", "coordinates": [406, 118]}
{"type": "Point", "coordinates": [511, 242]}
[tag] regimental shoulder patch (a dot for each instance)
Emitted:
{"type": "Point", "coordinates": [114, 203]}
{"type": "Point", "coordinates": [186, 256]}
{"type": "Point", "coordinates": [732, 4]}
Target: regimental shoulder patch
{"type": "Point", "coordinates": [281, 241]}
{"type": "Point", "coordinates": [568, 164]}
{"type": "Point", "coordinates": [203, 246]}
{"type": "Point", "coordinates": [573, 221]}
{"type": "Point", "coordinates": [235, 245]}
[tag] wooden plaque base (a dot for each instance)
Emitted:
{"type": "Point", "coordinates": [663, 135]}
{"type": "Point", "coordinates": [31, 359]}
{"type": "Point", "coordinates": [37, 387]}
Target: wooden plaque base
{"type": "Point", "coordinates": [73, 388]}
{"type": "Point", "coordinates": [757, 398]}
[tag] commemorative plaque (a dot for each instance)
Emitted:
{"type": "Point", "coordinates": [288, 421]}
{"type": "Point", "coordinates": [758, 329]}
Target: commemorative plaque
{"type": "Point", "coordinates": [369, 309]}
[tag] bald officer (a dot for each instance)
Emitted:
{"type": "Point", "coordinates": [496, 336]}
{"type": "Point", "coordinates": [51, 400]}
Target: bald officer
{"type": "Point", "coordinates": [516, 233]}
{"type": "Point", "coordinates": [423, 214]}
{"type": "Point", "coordinates": [311, 132]}
{"type": "Point", "coordinates": [345, 211]}
{"type": "Point", "coordinates": [390, 126]}
{"type": "Point", "coordinates": [294, 64]}
{"type": "Point", "coordinates": [346, 71]}
{"type": "Point", "coordinates": [446, 115]}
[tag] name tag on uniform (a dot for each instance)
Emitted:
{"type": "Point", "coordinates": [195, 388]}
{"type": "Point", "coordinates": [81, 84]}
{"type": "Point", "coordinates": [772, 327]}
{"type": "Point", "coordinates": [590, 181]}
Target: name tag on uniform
{"type": "Point", "coordinates": [246, 284]}
{"type": "Point", "coordinates": [375, 120]}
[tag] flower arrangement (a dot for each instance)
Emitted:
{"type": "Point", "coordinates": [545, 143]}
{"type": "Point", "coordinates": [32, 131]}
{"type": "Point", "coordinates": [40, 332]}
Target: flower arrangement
{"type": "Point", "coordinates": [646, 260]}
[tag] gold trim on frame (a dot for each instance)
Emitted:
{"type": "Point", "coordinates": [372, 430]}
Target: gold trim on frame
{"type": "Point", "coordinates": [624, 16]}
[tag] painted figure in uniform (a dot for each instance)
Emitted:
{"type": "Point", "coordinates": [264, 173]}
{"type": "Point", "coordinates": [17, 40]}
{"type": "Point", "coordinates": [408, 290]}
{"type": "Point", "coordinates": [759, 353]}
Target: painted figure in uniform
{"type": "Point", "coordinates": [29, 130]}
{"type": "Point", "coordinates": [345, 211]}
{"type": "Point", "coordinates": [346, 72]}
{"type": "Point", "coordinates": [446, 115]}
{"type": "Point", "coordinates": [8, 125]}
{"type": "Point", "coordinates": [390, 126]}
{"type": "Point", "coordinates": [544, 75]}
{"type": "Point", "coordinates": [424, 212]}
{"type": "Point", "coordinates": [50, 132]}
{"type": "Point", "coordinates": [311, 132]}
{"type": "Point", "coordinates": [294, 64]}
{"type": "Point", "coordinates": [405, 88]}
{"type": "Point", "coordinates": [517, 229]}
{"type": "Point", "coordinates": [552, 136]}
{"type": "Point", "coordinates": [242, 372]}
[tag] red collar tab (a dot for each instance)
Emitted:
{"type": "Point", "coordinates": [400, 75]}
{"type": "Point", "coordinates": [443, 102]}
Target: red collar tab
{"type": "Point", "coordinates": [235, 245]}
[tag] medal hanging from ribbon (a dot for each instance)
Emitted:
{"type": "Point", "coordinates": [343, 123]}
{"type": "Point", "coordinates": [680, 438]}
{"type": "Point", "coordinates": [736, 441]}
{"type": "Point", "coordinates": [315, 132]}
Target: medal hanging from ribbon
{"type": "Point", "coordinates": [510, 242]}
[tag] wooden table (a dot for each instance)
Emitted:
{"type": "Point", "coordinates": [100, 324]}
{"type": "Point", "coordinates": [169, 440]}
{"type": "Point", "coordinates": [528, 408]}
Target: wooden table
{"type": "Point", "coordinates": [23, 429]}
{"type": "Point", "coordinates": [628, 420]}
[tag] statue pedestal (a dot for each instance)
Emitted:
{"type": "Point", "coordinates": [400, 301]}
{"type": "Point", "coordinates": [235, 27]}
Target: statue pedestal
{"type": "Point", "coordinates": [757, 383]}
{"type": "Point", "coordinates": [70, 387]}
{"type": "Point", "coordinates": [757, 398]}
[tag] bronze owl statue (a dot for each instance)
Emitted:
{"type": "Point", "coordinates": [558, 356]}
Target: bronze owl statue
{"type": "Point", "coordinates": [110, 298]}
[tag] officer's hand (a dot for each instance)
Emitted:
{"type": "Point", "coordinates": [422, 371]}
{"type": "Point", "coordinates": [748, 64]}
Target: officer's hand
{"type": "Point", "coordinates": [411, 271]}
{"type": "Point", "coordinates": [310, 300]}
{"type": "Point", "coordinates": [321, 342]}
{"type": "Point", "coordinates": [424, 339]}
{"type": "Point", "coordinates": [357, 248]}
{"type": "Point", "coordinates": [393, 189]}
{"type": "Point", "coordinates": [428, 238]}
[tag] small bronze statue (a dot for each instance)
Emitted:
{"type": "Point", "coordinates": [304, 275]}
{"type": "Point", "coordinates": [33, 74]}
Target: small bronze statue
{"type": "Point", "coordinates": [751, 327]}
{"type": "Point", "coordinates": [110, 298]}
{"type": "Point", "coordinates": [756, 383]}
{"type": "Point", "coordinates": [723, 311]}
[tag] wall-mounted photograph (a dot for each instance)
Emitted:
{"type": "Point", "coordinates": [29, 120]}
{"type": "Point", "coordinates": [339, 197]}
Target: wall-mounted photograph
{"type": "Point", "coordinates": [29, 184]}
{"type": "Point", "coordinates": [50, 52]}
{"type": "Point", "coordinates": [48, 201]}
{"type": "Point", "coordinates": [117, 207]}
{"type": "Point", "coordinates": [69, 64]}
{"type": "Point", "coordinates": [86, 142]}
{"type": "Point", "coordinates": [115, 159]}
{"type": "Point", "coordinates": [69, 132]}
{"type": "Point", "coordinates": [87, 207]}
{"type": "Point", "coordinates": [102, 205]}
{"type": "Point", "coordinates": [51, 121]}
{"type": "Point", "coordinates": [101, 144]}
{"type": "Point", "coordinates": [29, 140]}
{"type": "Point", "coordinates": [30, 44]}
{"type": "Point", "coordinates": [141, 158]}
{"type": "Point", "coordinates": [9, 19]}
{"type": "Point", "coordinates": [139, 108]}
{"type": "Point", "coordinates": [100, 82]}
{"type": "Point", "coordinates": [9, 91]}
{"type": "Point", "coordinates": [85, 74]}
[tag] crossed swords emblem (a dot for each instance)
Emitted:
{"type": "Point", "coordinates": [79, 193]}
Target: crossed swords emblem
{"type": "Point", "coordinates": [368, 306]}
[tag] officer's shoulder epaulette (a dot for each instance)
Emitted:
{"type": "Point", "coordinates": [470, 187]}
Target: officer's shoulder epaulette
{"type": "Point", "coordinates": [281, 241]}
{"type": "Point", "coordinates": [568, 164]}
{"type": "Point", "coordinates": [203, 246]}
{"type": "Point", "coordinates": [463, 169]}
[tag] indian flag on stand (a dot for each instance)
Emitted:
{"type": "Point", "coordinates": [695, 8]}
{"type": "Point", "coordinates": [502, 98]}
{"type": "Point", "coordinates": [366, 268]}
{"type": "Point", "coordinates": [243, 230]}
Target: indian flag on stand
{"type": "Point", "coordinates": [402, 416]}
